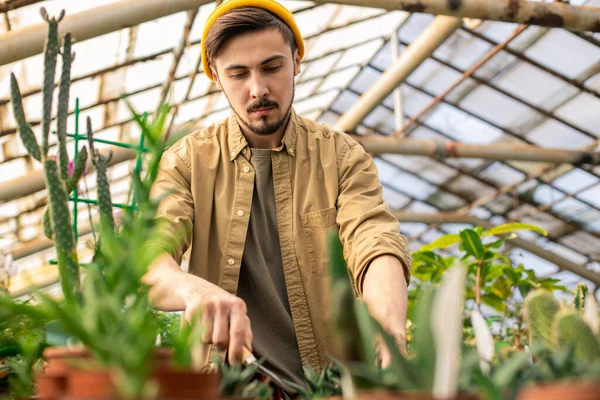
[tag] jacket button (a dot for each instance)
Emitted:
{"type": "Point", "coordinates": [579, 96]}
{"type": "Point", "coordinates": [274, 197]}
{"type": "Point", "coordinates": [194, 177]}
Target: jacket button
{"type": "Point", "coordinates": [292, 151]}
{"type": "Point", "coordinates": [240, 213]}
{"type": "Point", "coordinates": [246, 169]}
{"type": "Point", "coordinates": [230, 261]}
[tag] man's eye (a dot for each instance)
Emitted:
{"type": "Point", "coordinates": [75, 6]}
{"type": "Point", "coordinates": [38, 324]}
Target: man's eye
{"type": "Point", "coordinates": [238, 75]}
{"type": "Point", "coordinates": [272, 69]}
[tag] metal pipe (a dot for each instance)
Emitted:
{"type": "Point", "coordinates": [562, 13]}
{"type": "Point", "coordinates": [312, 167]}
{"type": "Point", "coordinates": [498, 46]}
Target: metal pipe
{"type": "Point", "coordinates": [398, 108]}
{"type": "Point", "coordinates": [34, 181]}
{"type": "Point", "coordinates": [29, 41]}
{"type": "Point", "coordinates": [377, 144]}
{"type": "Point", "coordinates": [467, 74]}
{"type": "Point", "coordinates": [413, 56]}
{"type": "Point", "coordinates": [556, 14]}
{"type": "Point", "coordinates": [446, 218]}
{"type": "Point", "coordinates": [6, 6]}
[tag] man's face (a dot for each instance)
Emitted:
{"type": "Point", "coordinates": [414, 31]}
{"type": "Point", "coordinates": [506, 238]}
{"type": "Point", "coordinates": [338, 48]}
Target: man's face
{"type": "Point", "coordinates": [256, 71]}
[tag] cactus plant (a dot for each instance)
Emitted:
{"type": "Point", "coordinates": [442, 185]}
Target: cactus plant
{"type": "Point", "coordinates": [540, 307]}
{"type": "Point", "coordinates": [580, 293]}
{"type": "Point", "coordinates": [570, 330]}
{"type": "Point", "coordinates": [564, 329]}
{"type": "Point", "coordinates": [57, 218]}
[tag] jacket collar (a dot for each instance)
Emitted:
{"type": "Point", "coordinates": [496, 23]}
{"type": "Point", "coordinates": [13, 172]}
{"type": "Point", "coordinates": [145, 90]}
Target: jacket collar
{"type": "Point", "coordinates": [237, 142]}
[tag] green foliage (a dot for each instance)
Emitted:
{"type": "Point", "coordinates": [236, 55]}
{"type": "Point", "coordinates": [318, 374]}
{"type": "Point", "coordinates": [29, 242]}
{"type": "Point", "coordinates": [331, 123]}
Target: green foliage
{"type": "Point", "coordinates": [63, 108]}
{"type": "Point", "coordinates": [168, 327]}
{"type": "Point", "coordinates": [24, 128]}
{"type": "Point", "coordinates": [21, 344]}
{"type": "Point", "coordinates": [540, 308]}
{"type": "Point", "coordinates": [570, 330]}
{"type": "Point", "coordinates": [580, 293]}
{"type": "Point", "coordinates": [242, 382]}
{"type": "Point", "coordinates": [492, 279]}
{"type": "Point", "coordinates": [57, 224]}
{"type": "Point", "coordinates": [323, 384]}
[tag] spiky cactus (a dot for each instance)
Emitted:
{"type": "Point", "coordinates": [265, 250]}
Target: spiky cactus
{"type": "Point", "coordinates": [101, 163]}
{"type": "Point", "coordinates": [561, 329]}
{"type": "Point", "coordinates": [579, 299]}
{"type": "Point", "coordinates": [570, 330]}
{"type": "Point", "coordinates": [57, 219]}
{"type": "Point", "coordinates": [540, 307]}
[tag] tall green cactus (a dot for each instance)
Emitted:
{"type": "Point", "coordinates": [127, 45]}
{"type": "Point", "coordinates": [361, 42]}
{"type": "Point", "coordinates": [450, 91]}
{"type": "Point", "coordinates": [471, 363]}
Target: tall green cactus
{"type": "Point", "coordinates": [63, 108]}
{"type": "Point", "coordinates": [540, 307]}
{"type": "Point", "coordinates": [579, 299]}
{"type": "Point", "coordinates": [50, 54]}
{"type": "Point", "coordinates": [101, 164]}
{"type": "Point", "coordinates": [57, 219]}
{"type": "Point", "coordinates": [570, 330]}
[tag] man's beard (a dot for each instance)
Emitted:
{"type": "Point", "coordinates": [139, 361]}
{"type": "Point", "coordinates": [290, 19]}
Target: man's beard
{"type": "Point", "coordinates": [265, 128]}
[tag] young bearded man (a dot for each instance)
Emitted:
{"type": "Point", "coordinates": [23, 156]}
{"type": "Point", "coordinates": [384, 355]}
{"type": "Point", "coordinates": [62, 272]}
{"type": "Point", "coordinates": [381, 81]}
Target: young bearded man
{"type": "Point", "coordinates": [257, 194]}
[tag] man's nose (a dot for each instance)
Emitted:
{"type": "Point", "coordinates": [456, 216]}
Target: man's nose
{"type": "Point", "coordinates": [259, 87]}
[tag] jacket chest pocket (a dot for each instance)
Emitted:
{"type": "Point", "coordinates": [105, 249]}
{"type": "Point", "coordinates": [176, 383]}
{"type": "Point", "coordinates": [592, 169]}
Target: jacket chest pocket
{"type": "Point", "coordinates": [316, 225]}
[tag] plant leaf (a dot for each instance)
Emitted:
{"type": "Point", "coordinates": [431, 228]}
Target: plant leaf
{"type": "Point", "coordinates": [472, 243]}
{"type": "Point", "coordinates": [442, 242]}
{"type": "Point", "coordinates": [513, 226]}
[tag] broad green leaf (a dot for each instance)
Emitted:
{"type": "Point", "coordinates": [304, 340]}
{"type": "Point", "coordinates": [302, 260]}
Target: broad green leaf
{"type": "Point", "coordinates": [502, 288]}
{"type": "Point", "coordinates": [494, 301]}
{"type": "Point", "coordinates": [472, 243]}
{"type": "Point", "coordinates": [513, 226]}
{"type": "Point", "coordinates": [524, 289]}
{"type": "Point", "coordinates": [442, 242]}
{"type": "Point", "coordinates": [511, 274]}
{"type": "Point", "coordinates": [429, 258]}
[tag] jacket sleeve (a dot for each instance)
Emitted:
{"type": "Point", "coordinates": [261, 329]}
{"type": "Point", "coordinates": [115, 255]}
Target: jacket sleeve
{"type": "Point", "coordinates": [176, 207]}
{"type": "Point", "coordinates": [367, 228]}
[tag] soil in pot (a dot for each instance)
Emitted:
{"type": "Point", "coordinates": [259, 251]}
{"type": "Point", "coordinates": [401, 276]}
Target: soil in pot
{"type": "Point", "coordinates": [561, 391]}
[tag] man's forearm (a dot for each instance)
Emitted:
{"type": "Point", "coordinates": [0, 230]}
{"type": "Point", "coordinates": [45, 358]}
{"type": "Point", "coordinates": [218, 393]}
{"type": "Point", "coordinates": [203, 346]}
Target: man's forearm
{"type": "Point", "coordinates": [386, 294]}
{"type": "Point", "coordinates": [170, 287]}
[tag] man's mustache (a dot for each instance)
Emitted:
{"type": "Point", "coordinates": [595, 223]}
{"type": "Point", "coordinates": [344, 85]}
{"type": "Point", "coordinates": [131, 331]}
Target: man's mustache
{"type": "Point", "coordinates": [262, 103]}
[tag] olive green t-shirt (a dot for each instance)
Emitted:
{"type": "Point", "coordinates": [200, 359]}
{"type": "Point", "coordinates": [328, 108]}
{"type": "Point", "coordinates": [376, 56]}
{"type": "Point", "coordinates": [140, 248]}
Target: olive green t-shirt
{"type": "Point", "coordinates": [262, 283]}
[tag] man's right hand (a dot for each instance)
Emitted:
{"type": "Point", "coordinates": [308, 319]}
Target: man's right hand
{"type": "Point", "coordinates": [224, 319]}
{"type": "Point", "coordinates": [225, 323]}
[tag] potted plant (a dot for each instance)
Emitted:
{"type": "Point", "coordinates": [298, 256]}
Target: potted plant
{"type": "Point", "coordinates": [105, 331]}
{"type": "Point", "coordinates": [565, 347]}
{"type": "Point", "coordinates": [434, 367]}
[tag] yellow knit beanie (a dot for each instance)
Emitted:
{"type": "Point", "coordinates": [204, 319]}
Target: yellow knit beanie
{"type": "Point", "coordinates": [269, 5]}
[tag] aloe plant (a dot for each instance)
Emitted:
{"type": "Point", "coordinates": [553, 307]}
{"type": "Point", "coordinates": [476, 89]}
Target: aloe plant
{"type": "Point", "coordinates": [437, 344]}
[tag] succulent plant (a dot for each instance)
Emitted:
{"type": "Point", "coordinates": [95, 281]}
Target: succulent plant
{"type": "Point", "coordinates": [580, 294]}
{"type": "Point", "coordinates": [570, 330]}
{"type": "Point", "coordinates": [564, 329]}
{"type": "Point", "coordinates": [539, 308]}
{"type": "Point", "coordinates": [57, 219]}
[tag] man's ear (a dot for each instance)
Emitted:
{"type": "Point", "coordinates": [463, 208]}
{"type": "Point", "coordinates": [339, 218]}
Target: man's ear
{"type": "Point", "coordinates": [297, 63]}
{"type": "Point", "coordinates": [213, 70]}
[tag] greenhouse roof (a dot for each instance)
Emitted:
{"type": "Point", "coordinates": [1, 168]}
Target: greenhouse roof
{"type": "Point", "coordinates": [542, 88]}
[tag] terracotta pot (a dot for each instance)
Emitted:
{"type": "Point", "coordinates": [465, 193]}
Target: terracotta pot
{"type": "Point", "coordinates": [93, 384]}
{"type": "Point", "coordinates": [562, 390]}
{"type": "Point", "coordinates": [52, 381]}
{"type": "Point", "coordinates": [179, 385]}
{"type": "Point", "coordinates": [386, 395]}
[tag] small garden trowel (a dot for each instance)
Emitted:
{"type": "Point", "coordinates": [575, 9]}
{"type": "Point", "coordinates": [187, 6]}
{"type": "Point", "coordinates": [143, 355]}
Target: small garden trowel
{"type": "Point", "coordinates": [249, 359]}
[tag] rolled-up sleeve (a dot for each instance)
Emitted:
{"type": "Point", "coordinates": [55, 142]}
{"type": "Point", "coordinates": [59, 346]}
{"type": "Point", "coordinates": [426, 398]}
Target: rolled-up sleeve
{"type": "Point", "coordinates": [367, 227]}
{"type": "Point", "coordinates": [176, 207]}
